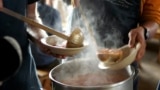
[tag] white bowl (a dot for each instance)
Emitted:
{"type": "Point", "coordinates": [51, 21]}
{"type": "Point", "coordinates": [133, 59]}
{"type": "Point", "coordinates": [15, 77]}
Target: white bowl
{"type": "Point", "coordinates": [57, 46]}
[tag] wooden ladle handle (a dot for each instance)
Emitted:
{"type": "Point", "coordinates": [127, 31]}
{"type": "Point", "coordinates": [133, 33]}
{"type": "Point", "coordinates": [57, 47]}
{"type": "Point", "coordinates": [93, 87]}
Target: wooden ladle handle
{"type": "Point", "coordinates": [34, 23]}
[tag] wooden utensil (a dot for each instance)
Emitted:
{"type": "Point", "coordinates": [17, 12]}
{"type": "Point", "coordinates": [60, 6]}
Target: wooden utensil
{"type": "Point", "coordinates": [128, 56]}
{"type": "Point", "coordinates": [73, 39]}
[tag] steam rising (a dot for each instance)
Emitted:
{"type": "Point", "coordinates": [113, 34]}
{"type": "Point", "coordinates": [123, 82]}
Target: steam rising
{"type": "Point", "coordinates": [97, 28]}
{"type": "Point", "coordinates": [98, 33]}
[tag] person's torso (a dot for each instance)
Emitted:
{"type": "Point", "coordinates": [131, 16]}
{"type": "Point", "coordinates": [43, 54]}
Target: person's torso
{"type": "Point", "coordinates": [111, 19]}
{"type": "Point", "coordinates": [25, 78]}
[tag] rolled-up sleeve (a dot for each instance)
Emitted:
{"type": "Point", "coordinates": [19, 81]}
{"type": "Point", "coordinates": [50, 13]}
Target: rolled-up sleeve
{"type": "Point", "coordinates": [150, 10]}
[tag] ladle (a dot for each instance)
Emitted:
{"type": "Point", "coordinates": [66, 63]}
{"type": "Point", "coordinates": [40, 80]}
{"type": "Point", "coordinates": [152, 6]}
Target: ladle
{"type": "Point", "coordinates": [118, 59]}
{"type": "Point", "coordinates": [74, 40]}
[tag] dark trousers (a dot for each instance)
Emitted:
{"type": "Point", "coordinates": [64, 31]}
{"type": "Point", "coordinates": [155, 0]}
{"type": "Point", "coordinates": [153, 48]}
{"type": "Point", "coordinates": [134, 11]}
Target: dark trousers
{"type": "Point", "coordinates": [136, 77]}
{"type": "Point", "coordinates": [158, 86]}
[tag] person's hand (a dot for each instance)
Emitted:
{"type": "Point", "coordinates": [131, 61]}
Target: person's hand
{"type": "Point", "coordinates": [1, 4]}
{"type": "Point", "coordinates": [48, 51]}
{"type": "Point", "coordinates": [137, 35]}
{"type": "Point", "coordinates": [36, 39]}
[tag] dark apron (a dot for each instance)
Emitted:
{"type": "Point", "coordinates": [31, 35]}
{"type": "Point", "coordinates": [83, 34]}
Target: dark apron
{"type": "Point", "coordinates": [26, 77]}
{"type": "Point", "coordinates": [111, 20]}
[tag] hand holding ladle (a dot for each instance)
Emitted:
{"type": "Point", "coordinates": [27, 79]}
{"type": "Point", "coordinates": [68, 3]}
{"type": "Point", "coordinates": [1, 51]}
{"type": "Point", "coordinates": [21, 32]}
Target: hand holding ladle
{"type": "Point", "coordinates": [73, 41]}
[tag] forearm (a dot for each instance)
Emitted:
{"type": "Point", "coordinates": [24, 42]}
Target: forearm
{"type": "Point", "coordinates": [35, 33]}
{"type": "Point", "coordinates": [151, 27]}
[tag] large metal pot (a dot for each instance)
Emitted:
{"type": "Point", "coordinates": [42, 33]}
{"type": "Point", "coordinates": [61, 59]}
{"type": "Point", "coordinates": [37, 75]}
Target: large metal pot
{"type": "Point", "coordinates": [85, 75]}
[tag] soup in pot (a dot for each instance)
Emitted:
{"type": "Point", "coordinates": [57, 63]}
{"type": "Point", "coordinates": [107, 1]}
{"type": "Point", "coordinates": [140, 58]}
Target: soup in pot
{"type": "Point", "coordinates": [94, 79]}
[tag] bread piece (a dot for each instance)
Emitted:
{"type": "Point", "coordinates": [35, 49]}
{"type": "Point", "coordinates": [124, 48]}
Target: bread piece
{"type": "Point", "coordinates": [109, 55]}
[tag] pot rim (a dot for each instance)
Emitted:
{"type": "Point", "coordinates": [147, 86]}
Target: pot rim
{"type": "Point", "coordinates": [97, 86]}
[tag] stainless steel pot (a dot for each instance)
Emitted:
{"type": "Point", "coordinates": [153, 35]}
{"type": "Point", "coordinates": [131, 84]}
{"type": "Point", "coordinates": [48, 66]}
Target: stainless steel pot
{"type": "Point", "coordinates": [85, 69]}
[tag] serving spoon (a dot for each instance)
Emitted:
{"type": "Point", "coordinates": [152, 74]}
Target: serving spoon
{"type": "Point", "coordinates": [118, 59]}
{"type": "Point", "coordinates": [73, 41]}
